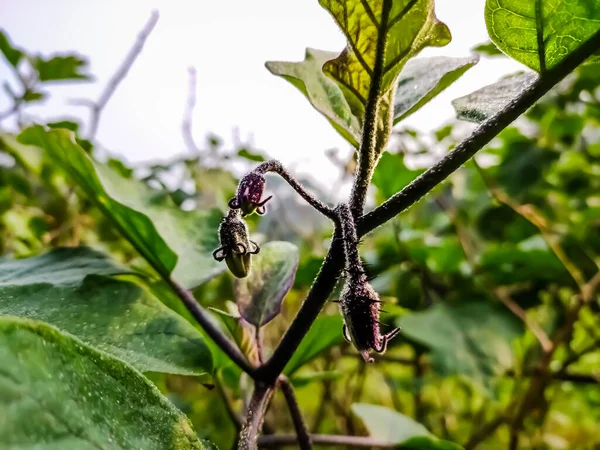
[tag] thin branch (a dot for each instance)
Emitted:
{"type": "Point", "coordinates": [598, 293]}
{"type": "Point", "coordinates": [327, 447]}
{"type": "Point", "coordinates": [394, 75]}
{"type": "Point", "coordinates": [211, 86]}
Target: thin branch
{"type": "Point", "coordinates": [259, 346]}
{"type": "Point", "coordinates": [186, 124]}
{"type": "Point", "coordinates": [368, 150]}
{"type": "Point", "coordinates": [501, 294]}
{"type": "Point", "coordinates": [110, 88]}
{"type": "Point", "coordinates": [531, 214]}
{"type": "Point", "coordinates": [276, 167]}
{"type": "Point", "coordinates": [304, 442]}
{"type": "Point", "coordinates": [235, 419]}
{"type": "Point", "coordinates": [255, 416]}
{"type": "Point", "coordinates": [323, 439]}
{"type": "Point", "coordinates": [485, 431]}
{"type": "Point", "coordinates": [560, 375]}
{"type": "Point", "coordinates": [315, 300]}
{"type": "Point", "coordinates": [533, 326]}
{"type": "Point", "coordinates": [478, 139]}
{"type": "Point", "coordinates": [215, 334]}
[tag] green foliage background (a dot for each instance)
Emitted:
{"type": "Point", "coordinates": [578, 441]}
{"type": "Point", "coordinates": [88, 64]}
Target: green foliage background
{"type": "Point", "coordinates": [478, 275]}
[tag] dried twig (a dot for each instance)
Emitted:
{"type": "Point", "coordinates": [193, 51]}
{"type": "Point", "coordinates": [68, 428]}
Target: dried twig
{"type": "Point", "coordinates": [186, 124]}
{"type": "Point", "coordinates": [110, 88]}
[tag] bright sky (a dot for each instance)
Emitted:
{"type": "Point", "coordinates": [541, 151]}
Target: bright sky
{"type": "Point", "coordinates": [228, 43]}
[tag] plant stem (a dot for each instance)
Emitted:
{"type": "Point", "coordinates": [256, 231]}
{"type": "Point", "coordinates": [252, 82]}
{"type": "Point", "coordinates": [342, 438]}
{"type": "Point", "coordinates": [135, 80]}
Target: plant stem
{"type": "Point", "coordinates": [276, 167]}
{"type": "Point", "coordinates": [215, 334]}
{"type": "Point", "coordinates": [478, 139]}
{"type": "Point", "coordinates": [333, 263]}
{"type": "Point", "coordinates": [323, 439]}
{"type": "Point", "coordinates": [303, 437]}
{"type": "Point", "coordinates": [255, 416]}
{"type": "Point", "coordinates": [316, 298]}
{"type": "Point", "coordinates": [368, 150]}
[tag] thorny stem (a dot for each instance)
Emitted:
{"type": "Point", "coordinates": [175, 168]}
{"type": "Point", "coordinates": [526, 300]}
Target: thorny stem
{"type": "Point", "coordinates": [276, 167]}
{"type": "Point", "coordinates": [538, 384]}
{"type": "Point", "coordinates": [333, 263]}
{"type": "Point", "coordinates": [478, 139]}
{"type": "Point", "coordinates": [255, 416]}
{"type": "Point", "coordinates": [304, 441]}
{"type": "Point", "coordinates": [215, 334]}
{"type": "Point", "coordinates": [368, 150]}
{"type": "Point", "coordinates": [324, 439]}
{"type": "Point", "coordinates": [354, 266]}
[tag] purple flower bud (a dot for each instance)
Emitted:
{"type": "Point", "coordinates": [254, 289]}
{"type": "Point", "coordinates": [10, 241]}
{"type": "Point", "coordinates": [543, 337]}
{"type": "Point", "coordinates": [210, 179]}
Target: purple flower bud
{"type": "Point", "coordinates": [248, 197]}
{"type": "Point", "coordinates": [359, 305]}
{"type": "Point", "coordinates": [236, 247]}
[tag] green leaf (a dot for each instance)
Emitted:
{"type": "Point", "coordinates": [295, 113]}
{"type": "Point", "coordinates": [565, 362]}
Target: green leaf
{"type": "Point", "coordinates": [472, 339]}
{"type": "Point", "coordinates": [158, 230]}
{"type": "Point", "coordinates": [540, 33]}
{"type": "Point", "coordinates": [323, 93]}
{"type": "Point", "coordinates": [411, 26]}
{"type": "Point", "coordinates": [389, 427]}
{"type": "Point", "coordinates": [527, 261]}
{"type": "Point", "coordinates": [324, 333]}
{"type": "Point", "coordinates": [482, 104]}
{"type": "Point", "coordinates": [12, 54]}
{"type": "Point", "coordinates": [260, 294]}
{"type": "Point", "coordinates": [391, 175]}
{"type": "Point", "coordinates": [31, 96]}
{"type": "Point", "coordinates": [69, 289]}
{"type": "Point", "coordinates": [68, 124]}
{"type": "Point", "coordinates": [247, 154]}
{"type": "Point", "coordinates": [424, 78]}
{"type": "Point", "coordinates": [59, 68]}
{"type": "Point", "coordinates": [58, 393]}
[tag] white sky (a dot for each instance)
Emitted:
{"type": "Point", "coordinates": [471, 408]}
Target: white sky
{"type": "Point", "coordinates": [228, 43]}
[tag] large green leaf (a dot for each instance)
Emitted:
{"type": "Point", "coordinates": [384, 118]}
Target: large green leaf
{"type": "Point", "coordinates": [389, 427]}
{"type": "Point", "coordinates": [56, 393]}
{"type": "Point", "coordinates": [12, 54]}
{"type": "Point", "coordinates": [260, 294]}
{"type": "Point", "coordinates": [69, 288]}
{"type": "Point", "coordinates": [540, 33]}
{"type": "Point", "coordinates": [411, 25]}
{"type": "Point", "coordinates": [323, 93]}
{"type": "Point", "coordinates": [162, 233]}
{"type": "Point", "coordinates": [472, 339]}
{"type": "Point", "coordinates": [324, 333]}
{"type": "Point", "coordinates": [424, 78]}
{"type": "Point", "coordinates": [483, 103]}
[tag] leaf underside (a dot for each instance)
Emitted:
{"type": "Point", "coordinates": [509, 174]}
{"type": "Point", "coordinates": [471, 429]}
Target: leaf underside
{"type": "Point", "coordinates": [422, 79]}
{"type": "Point", "coordinates": [260, 294]}
{"type": "Point", "coordinates": [411, 26]}
{"type": "Point", "coordinates": [482, 104]}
